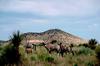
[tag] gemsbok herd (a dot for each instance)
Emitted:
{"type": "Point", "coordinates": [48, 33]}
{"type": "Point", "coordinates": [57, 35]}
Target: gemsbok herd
{"type": "Point", "coordinates": [58, 48]}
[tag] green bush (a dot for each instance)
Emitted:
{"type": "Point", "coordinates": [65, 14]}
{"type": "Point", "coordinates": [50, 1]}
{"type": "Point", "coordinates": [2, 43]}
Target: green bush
{"type": "Point", "coordinates": [90, 64]}
{"type": "Point", "coordinates": [85, 45]}
{"type": "Point", "coordinates": [0, 48]}
{"type": "Point", "coordinates": [41, 57]}
{"type": "Point", "coordinates": [85, 51]}
{"type": "Point", "coordinates": [33, 58]}
{"type": "Point", "coordinates": [75, 64]}
{"type": "Point", "coordinates": [49, 59]}
{"type": "Point", "coordinates": [8, 55]}
{"type": "Point", "coordinates": [97, 51]}
{"type": "Point", "coordinates": [92, 43]}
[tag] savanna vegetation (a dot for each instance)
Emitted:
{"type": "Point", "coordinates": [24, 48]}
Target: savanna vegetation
{"type": "Point", "coordinates": [14, 54]}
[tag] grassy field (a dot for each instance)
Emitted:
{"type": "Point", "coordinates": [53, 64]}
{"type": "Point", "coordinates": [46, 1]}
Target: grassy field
{"type": "Point", "coordinates": [83, 57]}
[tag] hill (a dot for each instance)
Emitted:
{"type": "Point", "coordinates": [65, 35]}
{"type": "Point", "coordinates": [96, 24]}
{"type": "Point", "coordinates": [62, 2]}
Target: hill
{"type": "Point", "coordinates": [54, 34]}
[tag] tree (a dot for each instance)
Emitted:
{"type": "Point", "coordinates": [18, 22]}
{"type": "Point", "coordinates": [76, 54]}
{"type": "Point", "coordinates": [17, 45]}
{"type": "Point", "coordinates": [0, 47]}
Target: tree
{"type": "Point", "coordinates": [92, 43]}
{"type": "Point", "coordinates": [10, 54]}
{"type": "Point", "coordinates": [16, 39]}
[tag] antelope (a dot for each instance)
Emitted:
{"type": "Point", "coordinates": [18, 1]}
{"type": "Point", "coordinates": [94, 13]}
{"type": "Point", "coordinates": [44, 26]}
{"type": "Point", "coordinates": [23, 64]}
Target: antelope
{"type": "Point", "coordinates": [50, 47]}
{"type": "Point", "coordinates": [63, 49]}
{"type": "Point", "coordinates": [28, 49]}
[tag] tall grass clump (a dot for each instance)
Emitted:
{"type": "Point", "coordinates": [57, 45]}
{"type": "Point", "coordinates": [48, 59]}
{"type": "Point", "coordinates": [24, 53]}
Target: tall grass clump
{"type": "Point", "coordinates": [44, 57]}
{"type": "Point", "coordinates": [23, 54]}
{"type": "Point", "coordinates": [49, 59]}
{"type": "Point", "coordinates": [33, 58]}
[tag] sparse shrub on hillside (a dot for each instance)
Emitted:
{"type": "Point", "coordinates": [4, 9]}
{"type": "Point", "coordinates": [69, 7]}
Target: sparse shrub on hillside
{"type": "Point", "coordinates": [71, 45]}
{"type": "Point", "coordinates": [53, 41]}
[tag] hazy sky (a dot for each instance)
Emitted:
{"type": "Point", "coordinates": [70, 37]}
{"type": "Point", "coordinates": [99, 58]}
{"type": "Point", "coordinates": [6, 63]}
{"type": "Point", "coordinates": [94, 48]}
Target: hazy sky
{"type": "Point", "coordinates": [78, 17]}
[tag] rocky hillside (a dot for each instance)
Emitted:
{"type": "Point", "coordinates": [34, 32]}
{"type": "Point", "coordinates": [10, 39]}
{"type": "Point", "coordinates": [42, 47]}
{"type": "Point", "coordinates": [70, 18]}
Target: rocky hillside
{"type": "Point", "coordinates": [54, 34]}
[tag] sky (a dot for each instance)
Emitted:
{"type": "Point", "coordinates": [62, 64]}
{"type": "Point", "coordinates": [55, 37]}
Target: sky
{"type": "Point", "coordinates": [78, 17]}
